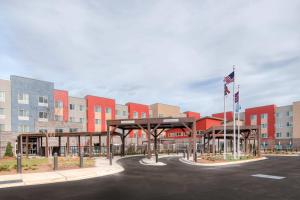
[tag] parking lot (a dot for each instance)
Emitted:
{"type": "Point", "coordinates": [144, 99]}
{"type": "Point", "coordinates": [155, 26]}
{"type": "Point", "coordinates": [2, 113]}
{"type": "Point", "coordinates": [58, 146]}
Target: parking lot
{"type": "Point", "coordinates": [274, 178]}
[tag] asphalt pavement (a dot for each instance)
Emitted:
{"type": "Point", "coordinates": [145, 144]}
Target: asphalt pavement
{"type": "Point", "coordinates": [177, 180]}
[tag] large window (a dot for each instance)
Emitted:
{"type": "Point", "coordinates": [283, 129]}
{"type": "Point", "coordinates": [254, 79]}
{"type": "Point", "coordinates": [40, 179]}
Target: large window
{"type": "Point", "coordinates": [264, 135]}
{"type": "Point", "coordinates": [97, 121]}
{"type": "Point", "coordinates": [58, 118]}
{"type": "Point", "coordinates": [289, 124]}
{"type": "Point", "coordinates": [72, 106]}
{"type": "Point", "coordinates": [278, 115]}
{"type": "Point", "coordinates": [73, 130]}
{"type": "Point", "coordinates": [2, 127]}
{"type": "Point", "coordinates": [81, 107]}
{"type": "Point", "coordinates": [125, 113]}
{"type": "Point", "coordinates": [23, 98]}
{"type": "Point", "coordinates": [81, 120]}
{"type": "Point", "coordinates": [2, 96]}
{"type": "Point", "coordinates": [108, 110]}
{"type": "Point", "coordinates": [1, 111]}
{"type": "Point", "coordinates": [264, 116]}
{"type": "Point", "coordinates": [23, 114]}
{"type": "Point", "coordinates": [23, 128]}
{"type": "Point", "coordinates": [135, 115]}
{"type": "Point", "coordinates": [72, 119]}
{"type": "Point", "coordinates": [278, 135]}
{"type": "Point", "coordinates": [289, 113]}
{"type": "Point", "coordinates": [58, 104]}
{"type": "Point", "coordinates": [253, 118]}
{"type": "Point", "coordinates": [288, 134]}
{"type": "Point", "coordinates": [43, 116]}
{"type": "Point", "coordinates": [43, 101]}
{"type": "Point", "coordinates": [59, 130]}
{"type": "Point", "coordinates": [143, 115]}
{"type": "Point", "coordinates": [97, 109]}
{"type": "Point", "coordinates": [264, 125]}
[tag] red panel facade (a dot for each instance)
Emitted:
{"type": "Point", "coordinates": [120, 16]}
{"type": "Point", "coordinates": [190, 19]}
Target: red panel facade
{"type": "Point", "coordinates": [229, 116]}
{"type": "Point", "coordinates": [103, 103]}
{"type": "Point", "coordinates": [62, 96]}
{"type": "Point", "coordinates": [201, 125]}
{"type": "Point", "coordinates": [258, 111]}
{"type": "Point", "coordinates": [139, 109]}
{"type": "Point", "coordinates": [192, 114]}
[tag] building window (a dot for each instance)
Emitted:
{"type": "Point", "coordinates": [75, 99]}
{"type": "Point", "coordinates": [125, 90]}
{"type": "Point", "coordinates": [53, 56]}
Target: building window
{"type": "Point", "coordinates": [43, 101]}
{"type": "Point", "coordinates": [135, 115]}
{"type": "Point", "coordinates": [81, 120]}
{"type": "Point", "coordinates": [1, 111]}
{"type": "Point", "coordinates": [2, 127]}
{"type": "Point", "coordinates": [143, 115]}
{"type": "Point", "coordinates": [97, 121]}
{"type": "Point", "coordinates": [2, 96]}
{"type": "Point", "coordinates": [264, 116]}
{"type": "Point", "coordinates": [58, 118]}
{"type": "Point", "coordinates": [23, 115]}
{"type": "Point", "coordinates": [59, 130]}
{"type": "Point", "coordinates": [288, 134]}
{"type": "Point", "coordinates": [289, 124]}
{"type": "Point", "coordinates": [97, 109]}
{"type": "Point", "coordinates": [264, 125]}
{"type": "Point", "coordinates": [253, 117]}
{"type": "Point", "coordinates": [23, 98]}
{"type": "Point", "coordinates": [23, 128]}
{"type": "Point", "coordinates": [43, 116]}
{"type": "Point", "coordinates": [72, 106]}
{"type": "Point", "coordinates": [264, 135]}
{"type": "Point", "coordinates": [125, 113]}
{"type": "Point", "coordinates": [118, 112]}
{"type": "Point", "coordinates": [289, 113]}
{"type": "Point", "coordinates": [73, 130]}
{"type": "Point", "coordinates": [278, 135]}
{"type": "Point", "coordinates": [58, 104]}
{"type": "Point", "coordinates": [108, 110]}
{"type": "Point", "coordinates": [43, 131]}
{"type": "Point", "coordinates": [81, 107]}
{"type": "Point", "coordinates": [72, 119]}
{"type": "Point", "coordinates": [278, 115]}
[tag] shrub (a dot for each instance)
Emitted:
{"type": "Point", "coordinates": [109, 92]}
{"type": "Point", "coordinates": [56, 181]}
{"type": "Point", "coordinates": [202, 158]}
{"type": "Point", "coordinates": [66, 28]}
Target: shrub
{"type": "Point", "coordinates": [9, 150]}
{"type": "Point", "coordinates": [4, 168]}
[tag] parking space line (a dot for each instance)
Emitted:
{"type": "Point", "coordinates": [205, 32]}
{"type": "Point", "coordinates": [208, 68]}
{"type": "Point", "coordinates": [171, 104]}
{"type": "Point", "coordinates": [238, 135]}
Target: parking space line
{"type": "Point", "coordinates": [268, 176]}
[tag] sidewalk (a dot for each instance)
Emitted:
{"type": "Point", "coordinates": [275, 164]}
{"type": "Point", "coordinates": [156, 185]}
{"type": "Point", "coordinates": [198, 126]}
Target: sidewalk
{"type": "Point", "coordinates": [102, 169]}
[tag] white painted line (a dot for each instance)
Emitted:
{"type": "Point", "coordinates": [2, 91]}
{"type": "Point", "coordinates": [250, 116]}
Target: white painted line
{"type": "Point", "coordinates": [268, 176]}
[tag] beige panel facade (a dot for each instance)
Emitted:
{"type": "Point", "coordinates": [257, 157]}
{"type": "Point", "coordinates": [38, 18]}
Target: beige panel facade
{"type": "Point", "coordinates": [296, 120]}
{"type": "Point", "coordinates": [79, 113]}
{"type": "Point", "coordinates": [5, 105]}
{"type": "Point", "coordinates": [164, 110]}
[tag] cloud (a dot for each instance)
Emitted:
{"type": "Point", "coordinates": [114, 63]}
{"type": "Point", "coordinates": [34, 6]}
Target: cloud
{"type": "Point", "coordinates": [174, 52]}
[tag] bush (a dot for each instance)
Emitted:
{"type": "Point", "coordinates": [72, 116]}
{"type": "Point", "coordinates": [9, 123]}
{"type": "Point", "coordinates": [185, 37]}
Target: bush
{"type": "Point", "coordinates": [9, 150]}
{"type": "Point", "coordinates": [4, 168]}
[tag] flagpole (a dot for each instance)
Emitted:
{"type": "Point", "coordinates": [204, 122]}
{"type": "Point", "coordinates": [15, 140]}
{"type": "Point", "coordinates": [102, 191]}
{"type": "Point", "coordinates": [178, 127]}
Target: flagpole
{"type": "Point", "coordinates": [234, 135]}
{"type": "Point", "coordinates": [225, 142]}
{"type": "Point", "coordinates": [239, 137]}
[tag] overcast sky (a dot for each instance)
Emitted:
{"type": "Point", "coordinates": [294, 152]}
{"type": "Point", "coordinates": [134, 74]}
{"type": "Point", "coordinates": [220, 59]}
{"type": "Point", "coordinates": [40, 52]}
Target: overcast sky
{"type": "Point", "coordinates": [174, 52]}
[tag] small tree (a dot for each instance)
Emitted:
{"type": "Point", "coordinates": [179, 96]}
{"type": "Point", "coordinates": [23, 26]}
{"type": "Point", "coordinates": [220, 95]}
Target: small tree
{"type": "Point", "coordinates": [9, 150]}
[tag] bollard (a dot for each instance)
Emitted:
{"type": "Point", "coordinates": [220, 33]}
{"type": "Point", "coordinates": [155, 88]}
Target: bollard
{"type": "Point", "coordinates": [81, 160]}
{"type": "Point", "coordinates": [55, 160]}
{"type": "Point", "coordinates": [19, 163]}
{"type": "Point", "coordinates": [110, 158]}
{"type": "Point", "coordinates": [156, 157]}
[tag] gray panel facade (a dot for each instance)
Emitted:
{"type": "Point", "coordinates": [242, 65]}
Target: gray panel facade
{"type": "Point", "coordinates": [34, 89]}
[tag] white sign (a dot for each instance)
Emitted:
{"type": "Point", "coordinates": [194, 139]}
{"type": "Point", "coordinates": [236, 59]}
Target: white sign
{"type": "Point", "coordinates": [171, 120]}
{"type": "Point", "coordinates": [128, 122]}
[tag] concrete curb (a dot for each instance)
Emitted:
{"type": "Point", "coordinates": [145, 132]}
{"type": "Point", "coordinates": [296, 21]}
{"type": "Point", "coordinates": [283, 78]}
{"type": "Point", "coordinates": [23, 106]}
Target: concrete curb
{"type": "Point", "coordinates": [148, 162]}
{"type": "Point", "coordinates": [220, 164]}
{"type": "Point", "coordinates": [103, 169]}
{"type": "Point", "coordinates": [282, 155]}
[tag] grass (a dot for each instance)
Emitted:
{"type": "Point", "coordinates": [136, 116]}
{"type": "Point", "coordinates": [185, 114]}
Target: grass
{"type": "Point", "coordinates": [9, 165]}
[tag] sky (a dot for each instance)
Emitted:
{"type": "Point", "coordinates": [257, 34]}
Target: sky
{"type": "Point", "coordinates": [169, 51]}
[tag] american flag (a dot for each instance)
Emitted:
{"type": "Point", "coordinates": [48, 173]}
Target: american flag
{"type": "Point", "coordinates": [226, 91]}
{"type": "Point", "coordinates": [237, 97]}
{"type": "Point", "coordinates": [230, 78]}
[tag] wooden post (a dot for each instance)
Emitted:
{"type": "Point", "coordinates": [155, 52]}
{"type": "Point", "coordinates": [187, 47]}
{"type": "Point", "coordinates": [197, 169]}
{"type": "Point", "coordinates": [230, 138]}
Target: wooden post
{"type": "Point", "coordinates": [47, 147]}
{"type": "Point", "coordinates": [59, 145]}
{"type": "Point", "coordinates": [26, 144]}
{"type": "Point", "coordinates": [100, 145]}
{"type": "Point", "coordinates": [21, 145]}
{"type": "Point", "coordinates": [149, 142]}
{"type": "Point", "coordinates": [214, 143]}
{"type": "Point", "coordinates": [68, 145]}
{"type": "Point", "coordinates": [79, 146]}
{"type": "Point", "coordinates": [91, 146]}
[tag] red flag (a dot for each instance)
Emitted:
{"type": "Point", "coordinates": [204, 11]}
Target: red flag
{"type": "Point", "coordinates": [226, 90]}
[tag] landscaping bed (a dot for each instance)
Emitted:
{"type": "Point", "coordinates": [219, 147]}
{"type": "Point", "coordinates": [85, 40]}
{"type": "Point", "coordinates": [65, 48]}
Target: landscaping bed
{"type": "Point", "coordinates": [220, 158]}
{"type": "Point", "coordinates": [8, 165]}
